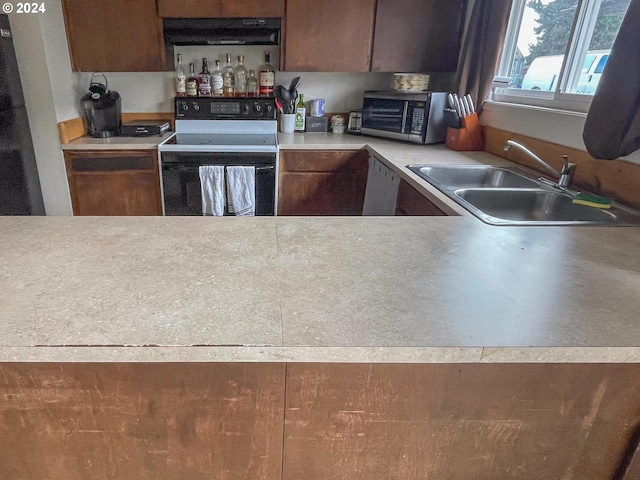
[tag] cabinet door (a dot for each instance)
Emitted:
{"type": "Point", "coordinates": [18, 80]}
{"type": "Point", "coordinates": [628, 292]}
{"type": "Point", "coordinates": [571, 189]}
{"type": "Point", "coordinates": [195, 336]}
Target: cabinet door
{"type": "Point", "coordinates": [221, 8]}
{"type": "Point", "coordinates": [329, 36]}
{"type": "Point", "coordinates": [418, 35]}
{"type": "Point", "coordinates": [459, 421]}
{"type": "Point", "coordinates": [322, 182]}
{"type": "Point", "coordinates": [114, 36]}
{"type": "Point", "coordinates": [114, 183]}
{"type": "Point", "coordinates": [411, 202]}
{"type": "Point", "coordinates": [141, 421]}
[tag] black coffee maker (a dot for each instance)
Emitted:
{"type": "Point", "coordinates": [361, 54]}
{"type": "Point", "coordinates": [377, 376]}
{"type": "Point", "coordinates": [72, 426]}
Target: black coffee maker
{"type": "Point", "coordinates": [102, 109]}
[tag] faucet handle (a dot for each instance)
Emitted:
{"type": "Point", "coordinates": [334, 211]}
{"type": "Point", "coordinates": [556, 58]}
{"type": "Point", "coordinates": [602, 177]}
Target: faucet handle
{"type": "Point", "coordinates": [568, 168]}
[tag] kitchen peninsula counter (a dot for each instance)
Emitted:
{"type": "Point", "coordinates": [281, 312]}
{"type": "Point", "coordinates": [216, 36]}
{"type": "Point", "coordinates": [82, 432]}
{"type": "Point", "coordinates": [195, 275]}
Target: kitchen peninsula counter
{"type": "Point", "coordinates": [289, 289]}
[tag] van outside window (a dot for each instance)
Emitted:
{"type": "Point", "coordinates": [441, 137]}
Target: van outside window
{"type": "Point", "coordinates": [555, 50]}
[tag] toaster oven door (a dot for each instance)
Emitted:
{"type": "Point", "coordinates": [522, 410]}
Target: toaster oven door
{"type": "Point", "coordinates": [384, 115]}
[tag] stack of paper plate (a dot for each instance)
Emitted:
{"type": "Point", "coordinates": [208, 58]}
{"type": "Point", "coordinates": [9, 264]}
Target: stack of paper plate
{"type": "Point", "coordinates": [410, 82]}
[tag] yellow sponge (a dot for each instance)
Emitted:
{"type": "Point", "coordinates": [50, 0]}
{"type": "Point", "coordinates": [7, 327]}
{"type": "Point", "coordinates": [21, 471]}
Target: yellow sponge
{"type": "Point", "coordinates": [593, 200]}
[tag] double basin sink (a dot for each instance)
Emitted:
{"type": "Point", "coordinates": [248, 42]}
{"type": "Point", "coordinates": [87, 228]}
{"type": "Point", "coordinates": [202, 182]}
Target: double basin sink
{"type": "Point", "coordinates": [515, 196]}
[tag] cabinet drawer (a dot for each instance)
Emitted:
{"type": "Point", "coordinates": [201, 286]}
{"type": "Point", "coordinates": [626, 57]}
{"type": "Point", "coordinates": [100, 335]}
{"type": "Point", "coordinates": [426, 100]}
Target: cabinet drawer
{"type": "Point", "coordinates": [220, 8]}
{"type": "Point", "coordinates": [323, 160]}
{"type": "Point", "coordinates": [97, 164]}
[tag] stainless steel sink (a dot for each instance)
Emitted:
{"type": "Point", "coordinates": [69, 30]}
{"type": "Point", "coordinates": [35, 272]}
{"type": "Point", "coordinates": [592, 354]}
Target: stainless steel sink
{"type": "Point", "coordinates": [473, 176]}
{"type": "Point", "coordinates": [516, 196]}
{"type": "Point", "coordinates": [531, 205]}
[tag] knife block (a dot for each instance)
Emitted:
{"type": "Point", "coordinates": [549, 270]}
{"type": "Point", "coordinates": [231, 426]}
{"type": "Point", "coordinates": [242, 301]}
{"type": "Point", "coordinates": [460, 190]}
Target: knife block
{"type": "Point", "coordinates": [467, 138]}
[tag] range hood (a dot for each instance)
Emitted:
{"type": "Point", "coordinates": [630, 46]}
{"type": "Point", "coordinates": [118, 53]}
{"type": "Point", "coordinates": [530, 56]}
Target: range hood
{"type": "Point", "coordinates": [221, 31]}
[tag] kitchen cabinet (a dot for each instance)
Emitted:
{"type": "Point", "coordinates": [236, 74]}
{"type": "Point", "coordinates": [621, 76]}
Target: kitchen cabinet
{"type": "Point", "coordinates": [141, 420]}
{"type": "Point", "coordinates": [221, 8]}
{"type": "Point", "coordinates": [329, 36]}
{"type": "Point", "coordinates": [501, 421]}
{"type": "Point", "coordinates": [326, 182]}
{"type": "Point", "coordinates": [114, 36]}
{"type": "Point", "coordinates": [412, 203]}
{"type": "Point", "coordinates": [418, 35]}
{"type": "Point", "coordinates": [114, 182]}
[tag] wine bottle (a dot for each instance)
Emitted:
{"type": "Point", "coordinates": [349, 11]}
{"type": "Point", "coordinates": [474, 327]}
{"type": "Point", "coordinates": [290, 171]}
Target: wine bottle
{"type": "Point", "coordinates": [240, 78]}
{"type": "Point", "coordinates": [216, 81]}
{"type": "Point", "coordinates": [204, 80]}
{"type": "Point", "coordinates": [228, 78]}
{"type": "Point", "coordinates": [252, 84]}
{"type": "Point", "coordinates": [181, 79]}
{"type": "Point", "coordinates": [266, 77]}
{"type": "Point", "coordinates": [301, 113]}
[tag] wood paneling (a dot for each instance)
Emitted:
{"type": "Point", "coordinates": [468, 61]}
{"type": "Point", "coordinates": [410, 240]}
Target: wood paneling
{"type": "Point", "coordinates": [114, 182]}
{"type": "Point", "coordinates": [141, 421]}
{"type": "Point", "coordinates": [329, 36]}
{"type": "Point", "coordinates": [114, 36]}
{"type": "Point", "coordinates": [325, 182]}
{"type": "Point", "coordinates": [418, 35]}
{"type": "Point", "coordinates": [619, 179]}
{"type": "Point", "coordinates": [485, 422]}
{"type": "Point", "coordinates": [71, 129]}
{"type": "Point", "coordinates": [221, 8]}
{"type": "Point", "coordinates": [410, 202]}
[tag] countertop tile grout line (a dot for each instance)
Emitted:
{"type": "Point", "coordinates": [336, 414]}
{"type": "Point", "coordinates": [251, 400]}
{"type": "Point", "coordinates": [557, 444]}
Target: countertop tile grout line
{"type": "Point", "coordinates": [278, 273]}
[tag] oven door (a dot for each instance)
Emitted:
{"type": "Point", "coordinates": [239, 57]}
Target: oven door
{"type": "Point", "coordinates": [181, 190]}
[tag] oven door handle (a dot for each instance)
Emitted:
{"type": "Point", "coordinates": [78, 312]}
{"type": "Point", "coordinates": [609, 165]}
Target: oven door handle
{"type": "Point", "coordinates": [182, 168]}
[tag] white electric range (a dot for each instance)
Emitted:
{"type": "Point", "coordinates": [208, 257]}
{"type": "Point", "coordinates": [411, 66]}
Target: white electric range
{"type": "Point", "coordinates": [219, 131]}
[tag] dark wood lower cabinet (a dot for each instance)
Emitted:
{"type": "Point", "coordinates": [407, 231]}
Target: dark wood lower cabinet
{"type": "Point", "coordinates": [465, 421]}
{"type": "Point", "coordinates": [413, 203]}
{"type": "Point", "coordinates": [114, 182]}
{"type": "Point", "coordinates": [325, 182]}
{"type": "Point", "coordinates": [276, 421]}
{"type": "Point", "coordinates": [141, 421]}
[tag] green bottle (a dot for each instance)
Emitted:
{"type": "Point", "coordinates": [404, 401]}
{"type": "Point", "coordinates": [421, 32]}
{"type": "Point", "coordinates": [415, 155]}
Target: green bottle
{"type": "Point", "coordinates": [301, 113]}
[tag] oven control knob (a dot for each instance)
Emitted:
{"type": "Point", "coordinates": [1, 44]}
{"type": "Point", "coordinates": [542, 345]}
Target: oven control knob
{"type": "Point", "coordinates": [258, 107]}
{"type": "Point", "coordinates": [185, 106]}
{"type": "Point", "coordinates": [196, 106]}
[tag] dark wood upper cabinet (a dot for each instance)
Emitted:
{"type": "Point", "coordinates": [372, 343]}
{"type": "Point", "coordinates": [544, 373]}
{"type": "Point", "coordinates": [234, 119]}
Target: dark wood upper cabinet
{"type": "Point", "coordinates": [329, 35]}
{"type": "Point", "coordinates": [114, 36]}
{"type": "Point", "coordinates": [221, 8]}
{"type": "Point", "coordinates": [418, 35]}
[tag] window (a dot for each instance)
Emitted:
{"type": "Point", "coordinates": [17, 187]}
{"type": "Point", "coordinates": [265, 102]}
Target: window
{"type": "Point", "coordinates": [555, 50]}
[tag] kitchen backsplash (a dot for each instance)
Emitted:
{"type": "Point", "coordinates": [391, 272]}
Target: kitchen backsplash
{"type": "Point", "coordinates": [153, 92]}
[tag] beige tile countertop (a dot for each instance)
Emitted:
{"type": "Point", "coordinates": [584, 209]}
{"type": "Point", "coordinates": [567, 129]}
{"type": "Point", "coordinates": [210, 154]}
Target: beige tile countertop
{"type": "Point", "coordinates": [356, 289]}
{"type": "Point", "coordinates": [116, 143]}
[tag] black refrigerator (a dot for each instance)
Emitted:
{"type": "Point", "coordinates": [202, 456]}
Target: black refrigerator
{"type": "Point", "coordinates": [20, 192]}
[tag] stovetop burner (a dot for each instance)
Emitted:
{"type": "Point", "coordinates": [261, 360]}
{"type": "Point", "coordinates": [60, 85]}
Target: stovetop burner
{"type": "Point", "coordinates": [220, 139]}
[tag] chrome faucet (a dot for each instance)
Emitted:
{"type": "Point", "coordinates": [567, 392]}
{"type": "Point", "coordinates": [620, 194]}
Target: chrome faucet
{"type": "Point", "coordinates": [565, 176]}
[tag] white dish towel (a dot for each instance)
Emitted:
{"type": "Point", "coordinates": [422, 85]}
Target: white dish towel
{"type": "Point", "coordinates": [241, 189]}
{"type": "Point", "coordinates": [212, 184]}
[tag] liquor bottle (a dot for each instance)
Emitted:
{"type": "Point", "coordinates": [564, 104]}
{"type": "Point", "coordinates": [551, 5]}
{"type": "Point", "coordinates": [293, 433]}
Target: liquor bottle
{"type": "Point", "coordinates": [181, 79]}
{"type": "Point", "coordinates": [192, 81]}
{"type": "Point", "coordinates": [228, 78]}
{"type": "Point", "coordinates": [240, 78]}
{"type": "Point", "coordinates": [266, 77]}
{"type": "Point", "coordinates": [204, 80]}
{"type": "Point", "coordinates": [252, 84]}
{"type": "Point", "coordinates": [216, 80]}
{"type": "Point", "coordinates": [301, 113]}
